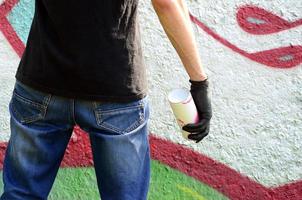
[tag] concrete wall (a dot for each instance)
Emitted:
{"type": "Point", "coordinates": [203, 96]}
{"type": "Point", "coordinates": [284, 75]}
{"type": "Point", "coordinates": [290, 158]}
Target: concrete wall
{"type": "Point", "coordinates": [252, 52]}
{"type": "Point", "coordinates": [257, 123]}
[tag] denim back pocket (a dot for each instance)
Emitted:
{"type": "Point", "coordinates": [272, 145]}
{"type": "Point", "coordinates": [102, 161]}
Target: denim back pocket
{"type": "Point", "coordinates": [120, 118]}
{"type": "Point", "coordinates": [27, 104]}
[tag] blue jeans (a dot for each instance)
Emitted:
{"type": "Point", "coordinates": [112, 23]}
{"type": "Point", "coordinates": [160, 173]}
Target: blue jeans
{"type": "Point", "coordinates": [41, 126]}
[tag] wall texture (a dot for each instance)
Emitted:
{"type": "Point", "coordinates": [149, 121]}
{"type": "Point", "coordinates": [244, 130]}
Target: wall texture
{"type": "Point", "coordinates": [256, 81]}
{"type": "Point", "coordinates": [252, 52]}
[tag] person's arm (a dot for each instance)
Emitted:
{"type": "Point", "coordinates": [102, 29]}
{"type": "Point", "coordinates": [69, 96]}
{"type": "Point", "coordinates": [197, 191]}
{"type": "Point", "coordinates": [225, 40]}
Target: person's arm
{"type": "Point", "coordinates": [175, 20]}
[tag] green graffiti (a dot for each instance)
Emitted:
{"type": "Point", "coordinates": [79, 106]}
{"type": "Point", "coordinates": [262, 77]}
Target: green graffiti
{"type": "Point", "coordinates": [166, 183]}
{"type": "Point", "coordinates": [171, 184]}
{"type": "Point", "coordinates": [191, 192]}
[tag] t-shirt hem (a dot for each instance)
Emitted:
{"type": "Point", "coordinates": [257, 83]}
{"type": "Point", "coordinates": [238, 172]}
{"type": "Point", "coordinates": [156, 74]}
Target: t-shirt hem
{"type": "Point", "coordinates": [89, 97]}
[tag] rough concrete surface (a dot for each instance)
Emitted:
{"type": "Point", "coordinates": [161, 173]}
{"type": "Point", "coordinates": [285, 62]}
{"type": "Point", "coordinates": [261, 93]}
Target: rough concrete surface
{"type": "Point", "coordinates": [257, 102]}
{"type": "Point", "coordinates": [257, 122]}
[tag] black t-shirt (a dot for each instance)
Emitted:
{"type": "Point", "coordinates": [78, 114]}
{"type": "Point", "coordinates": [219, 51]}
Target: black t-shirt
{"type": "Point", "coordinates": [85, 49]}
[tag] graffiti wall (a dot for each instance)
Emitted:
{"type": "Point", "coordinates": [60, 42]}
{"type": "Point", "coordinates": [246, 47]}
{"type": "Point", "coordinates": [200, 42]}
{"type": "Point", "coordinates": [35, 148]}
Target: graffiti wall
{"type": "Point", "coordinates": [252, 52]}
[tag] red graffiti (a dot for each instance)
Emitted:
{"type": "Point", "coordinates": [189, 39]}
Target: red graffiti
{"type": "Point", "coordinates": [258, 21]}
{"type": "Point", "coordinates": [261, 22]}
{"type": "Point", "coordinates": [213, 173]}
{"type": "Point", "coordinates": [217, 175]}
{"type": "Point", "coordinates": [284, 57]}
{"type": "Point", "coordinates": [252, 19]}
{"type": "Point", "coordinates": [7, 29]}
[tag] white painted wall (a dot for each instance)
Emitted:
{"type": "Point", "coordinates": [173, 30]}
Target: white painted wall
{"type": "Point", "coordinates": [257, 123]}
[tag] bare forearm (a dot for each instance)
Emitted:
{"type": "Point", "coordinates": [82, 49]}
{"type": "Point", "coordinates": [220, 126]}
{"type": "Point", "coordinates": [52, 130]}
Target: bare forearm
{"type": "Point", "coordinates": [174, 17]}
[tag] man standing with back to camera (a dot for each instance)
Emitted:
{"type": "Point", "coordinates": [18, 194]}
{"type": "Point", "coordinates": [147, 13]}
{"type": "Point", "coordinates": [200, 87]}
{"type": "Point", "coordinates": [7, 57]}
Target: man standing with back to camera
{"type": "Point", "coordinates": [83, 65]}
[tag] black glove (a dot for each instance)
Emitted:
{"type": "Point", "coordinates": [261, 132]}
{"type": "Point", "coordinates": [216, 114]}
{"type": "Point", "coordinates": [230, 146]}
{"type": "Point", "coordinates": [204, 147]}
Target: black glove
{"type": "Point", "coordinates": [199, 92]}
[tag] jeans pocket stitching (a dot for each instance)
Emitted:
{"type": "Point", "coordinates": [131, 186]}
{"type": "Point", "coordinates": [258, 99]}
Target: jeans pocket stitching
{"type": "Point", "coordinates": [114, 110]}
{"type": "Point", "coordinates": [41, 107]}
{"type": "Point", "coordinates": [101, 123]}
{"type": "Point", "coordinates": [28, 119]}
{"type": "Point", "coordinates": [134, 126]}
{"type": "Point", "coordinates": [110, 127]}
{"type": "Point", "coordinates": [138, 122]}
{"type": "Point", "coordinates": [27, 101]}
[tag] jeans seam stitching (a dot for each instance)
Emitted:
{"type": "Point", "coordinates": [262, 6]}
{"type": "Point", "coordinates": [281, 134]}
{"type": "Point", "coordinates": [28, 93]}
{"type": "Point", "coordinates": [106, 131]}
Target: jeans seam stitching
{"type": "Point", "coordinates": [40, 107]}
{"type": "Point", "coordinates": [46, 103]}
{"type": "Point", "coordinates": [118, 109]}
{"type": "Point", "coordinates": [27, 101]}
{"type": "Point", "coordinates": [138, 122]}
{"type": "Point", "coordinates": [98, 115]}
{"type": "Point", "coordinates": [110, 127]}
{"type": "Point", "coordinates": [133, 126]}
{"type": "Point", "coordinates": [95, 112]}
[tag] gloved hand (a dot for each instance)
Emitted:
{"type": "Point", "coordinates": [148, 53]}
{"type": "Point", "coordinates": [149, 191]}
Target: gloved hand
{"type": "Point", "coordinates": [199, 92]}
